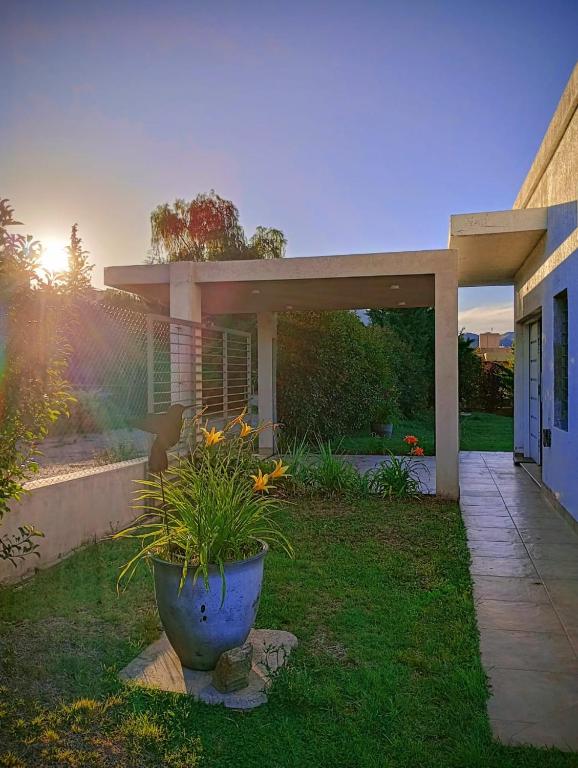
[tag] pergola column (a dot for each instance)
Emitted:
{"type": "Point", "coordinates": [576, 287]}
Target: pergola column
{"type": "Point", "coordinates": [185, 341]}
{"type": "Point", "coordinates": [446, 384]}
{"type": "Point", "coordinates": [266, 375]}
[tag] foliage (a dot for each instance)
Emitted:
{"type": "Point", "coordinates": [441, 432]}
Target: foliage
{"type": "Point", "coordinates": [332, 372]}
{"type": "Point", "coordinates": [496, 386]}
{"type": "Point", "coordinates": [388, 410]}
{"type": "Point", "coordinates": [411, 340]}
{"type": "Point", "coordinates": [469, 371]}
{"type": "Point", "coordinates": [325, 471]}
{"type": "Point", "coordinates": [329, 473]}
{"type": "Point", "coordinates": [397, 477]}
{"type": "Point", "coordinates": [210, 509]}
{"type": "Point", "coordinates": [33, 391]}
{"type": "Point", "coordinates": [208, 229]}
{"type": "Point", "coordinates": [76, 279]}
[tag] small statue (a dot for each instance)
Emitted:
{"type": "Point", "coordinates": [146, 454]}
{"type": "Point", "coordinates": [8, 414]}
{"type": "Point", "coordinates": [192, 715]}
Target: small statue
{"type": "Point", "coordinates": [167, 427]}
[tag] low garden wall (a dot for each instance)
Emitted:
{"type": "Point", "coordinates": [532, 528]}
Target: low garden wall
{"type": "Point", "coordinates": [72, 510]}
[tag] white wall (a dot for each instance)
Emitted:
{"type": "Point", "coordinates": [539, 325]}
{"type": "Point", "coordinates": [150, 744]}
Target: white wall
{"type": "Point", "coordinates": [73, 510]}
{"type": "Point", "coordinates": [552, 268]}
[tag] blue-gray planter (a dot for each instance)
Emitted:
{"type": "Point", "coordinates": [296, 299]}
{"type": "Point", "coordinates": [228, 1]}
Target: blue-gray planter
{"type": "Point", "coordinates": [198, 627]}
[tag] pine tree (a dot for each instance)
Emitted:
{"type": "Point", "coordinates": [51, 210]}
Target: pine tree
{"type": "Point", "coordinates": [77, 278]}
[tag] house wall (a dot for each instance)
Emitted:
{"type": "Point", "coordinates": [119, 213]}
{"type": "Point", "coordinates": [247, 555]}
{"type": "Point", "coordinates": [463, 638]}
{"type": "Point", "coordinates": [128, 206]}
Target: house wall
{"type": "Point", "coordinates": [551, 268]}
{"type": "Point", "coordinates": [73, 510]}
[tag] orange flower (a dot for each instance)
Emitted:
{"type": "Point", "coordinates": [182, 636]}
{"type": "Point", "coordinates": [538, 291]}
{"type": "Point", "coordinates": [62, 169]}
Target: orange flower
{"type": "Point", "coordinates": [279, 469]}
{"type": "Point", "coordinates": [246, 429]}
{"type": "Point", "coordinates": [410, 440]}
{"type": "Point", "coordinates": [416, 451]}
{"type": "Point", "coordinates": [261, 482]}
{"type": "Point", "coordinates": [213, 437]}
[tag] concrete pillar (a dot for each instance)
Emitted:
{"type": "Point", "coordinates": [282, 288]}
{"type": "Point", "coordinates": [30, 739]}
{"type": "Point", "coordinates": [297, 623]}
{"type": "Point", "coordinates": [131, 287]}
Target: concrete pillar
{"type": "Point", "coordinates": [446, 384]}
{"type": "Point", "coordinates": [185, 340]}
{"type": "Point", "coordinates": [266, 376]}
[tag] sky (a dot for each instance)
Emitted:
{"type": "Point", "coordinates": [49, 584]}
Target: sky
{"type": "Point", "coordinates": [351, 126]}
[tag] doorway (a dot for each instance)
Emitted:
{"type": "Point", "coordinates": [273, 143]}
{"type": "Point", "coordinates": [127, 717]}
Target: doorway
{"type": "Point", "coordinates": [535, 390]}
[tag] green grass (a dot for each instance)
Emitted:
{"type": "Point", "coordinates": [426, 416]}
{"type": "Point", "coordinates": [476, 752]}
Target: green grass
{"type": "Point", "coordinates": [478, 432]}
{"type": "Point", "coordinates": [387, 672]}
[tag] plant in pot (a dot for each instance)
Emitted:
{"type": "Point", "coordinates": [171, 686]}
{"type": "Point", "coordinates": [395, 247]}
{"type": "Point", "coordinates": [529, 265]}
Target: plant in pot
{"type": "Point", "coordinates": [206, 527]}
{"type": "Point", "coordinates": [382, 423]}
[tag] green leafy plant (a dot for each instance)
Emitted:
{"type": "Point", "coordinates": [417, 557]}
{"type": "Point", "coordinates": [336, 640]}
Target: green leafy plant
{"type": "Point", "coordinates": [33, 356]}
{"type": "Point", "coordinates": [214, 506]}
{"type": "Point", "coordinates": [396, 477]}
{"type": "Point", "coordinates": [331, 473]}
{"type": "Point", "coordinates": [387, 411]}
{"type": "Point", "coordinates": [309, 400]}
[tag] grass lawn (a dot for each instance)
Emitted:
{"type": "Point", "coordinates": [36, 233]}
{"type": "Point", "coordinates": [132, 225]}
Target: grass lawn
{"type": "Point", "coordinates": [478, 432]}
{"type": "Point", "coordinates": [387, 672]}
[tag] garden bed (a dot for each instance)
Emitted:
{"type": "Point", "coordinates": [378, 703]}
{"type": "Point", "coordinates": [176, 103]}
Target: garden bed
{"type": "Point", "coordinates": [387, 671]}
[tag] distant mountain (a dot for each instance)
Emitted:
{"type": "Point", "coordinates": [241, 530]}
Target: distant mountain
{"type": "Point", "coordinates": [507, 339]}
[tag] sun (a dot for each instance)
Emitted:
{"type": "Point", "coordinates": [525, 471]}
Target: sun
{"type": "Point", "coordinates": [54, 258]}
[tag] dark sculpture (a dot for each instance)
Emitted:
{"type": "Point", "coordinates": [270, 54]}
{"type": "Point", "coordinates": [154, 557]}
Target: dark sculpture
{"type": "Point", "coordinates": [167, 427]}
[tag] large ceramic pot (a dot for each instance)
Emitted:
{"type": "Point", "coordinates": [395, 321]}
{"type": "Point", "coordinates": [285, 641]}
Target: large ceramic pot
{"type": "Point", "coordinates": [382, 430]}
{"type": "Point", "coordinates": [198, 627]}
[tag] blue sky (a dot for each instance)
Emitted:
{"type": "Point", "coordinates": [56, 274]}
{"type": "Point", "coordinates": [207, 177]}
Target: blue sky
{"type": "Point", "coordinates": [351, 126]}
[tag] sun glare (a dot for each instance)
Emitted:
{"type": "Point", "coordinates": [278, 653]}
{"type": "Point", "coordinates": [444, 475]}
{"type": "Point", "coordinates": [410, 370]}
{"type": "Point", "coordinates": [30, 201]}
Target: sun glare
{"type": "Point", "coordinates": [54, 257]}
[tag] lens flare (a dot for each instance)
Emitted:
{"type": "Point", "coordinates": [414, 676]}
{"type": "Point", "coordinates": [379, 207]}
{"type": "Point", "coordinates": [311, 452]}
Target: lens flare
{"type": "Point", "coordinates": [54, 258]}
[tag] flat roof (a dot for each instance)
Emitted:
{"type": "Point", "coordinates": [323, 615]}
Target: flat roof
{"type": "Point", "coordinates": [492, 246]}
{"type": "Point", "coordinates": [353, 281]}
{"type": "Point", "coordinates": [488, 249]}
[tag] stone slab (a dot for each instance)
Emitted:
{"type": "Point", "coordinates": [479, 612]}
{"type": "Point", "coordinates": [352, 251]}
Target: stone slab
{"type": "Point", "coordinates": [159, 667]}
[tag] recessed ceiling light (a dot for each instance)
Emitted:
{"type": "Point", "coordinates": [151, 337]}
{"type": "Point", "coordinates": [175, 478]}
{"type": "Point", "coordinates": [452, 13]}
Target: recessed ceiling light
{"type": "Point", "coordinates": [401, 303]}
{"type": "Point", "coordinates": [255, 291]}
{"type": "Point", "coordinates": [394, 287]}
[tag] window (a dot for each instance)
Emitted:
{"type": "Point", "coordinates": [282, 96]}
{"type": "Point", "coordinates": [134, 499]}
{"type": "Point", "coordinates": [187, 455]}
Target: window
{"type": "Point", "coordinates": [561, 360]}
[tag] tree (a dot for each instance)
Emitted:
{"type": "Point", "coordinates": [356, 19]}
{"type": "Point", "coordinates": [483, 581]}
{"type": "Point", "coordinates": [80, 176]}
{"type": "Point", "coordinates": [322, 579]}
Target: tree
{"type": "Point", "coordinates": [415, 333]}
{"type": "Point", "coordinates": [470, 373]}
{"type": "Point", "coordinates": [77, 278]}
{"type": "Point", "coordinates": [208, 229]}
{"type": "Point", "coordinates": [333, 373]}
{"type": "Point", "coordinates": [33, 350]}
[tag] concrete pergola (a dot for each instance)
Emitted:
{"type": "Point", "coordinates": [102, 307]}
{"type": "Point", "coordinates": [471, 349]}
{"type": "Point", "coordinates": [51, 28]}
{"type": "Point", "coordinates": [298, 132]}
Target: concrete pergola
{"type": "Point", "coordinates": [485, 249]}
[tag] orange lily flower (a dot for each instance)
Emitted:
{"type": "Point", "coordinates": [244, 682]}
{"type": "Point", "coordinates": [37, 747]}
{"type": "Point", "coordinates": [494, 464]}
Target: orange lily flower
{"type": "Point", "coordinates": [410, 440]}
{"type": "Point", "coordinates": [213, 437]}
{"type": "Point", "coordinates": [246, 429]}
{"type": "Point", "coordinates": [261, 482]}
{"type": "Point", "coordinates": [417, 451]}
{"type": "Point", "coordinates": [279, 469]}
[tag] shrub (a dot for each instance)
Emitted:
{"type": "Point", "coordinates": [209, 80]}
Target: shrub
{"type": "Point", "coordinates": [396, 477]}
{"type": "Point", "coordinates": [332, 372]}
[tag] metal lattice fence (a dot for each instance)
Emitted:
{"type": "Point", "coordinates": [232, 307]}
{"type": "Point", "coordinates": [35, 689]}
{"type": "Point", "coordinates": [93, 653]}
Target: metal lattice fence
{"type": "Point", "coordinates": [125, 364]}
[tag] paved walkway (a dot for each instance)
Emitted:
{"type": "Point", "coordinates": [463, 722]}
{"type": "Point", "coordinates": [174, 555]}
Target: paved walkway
{"type": "Point", "coordinates": [525, 572]}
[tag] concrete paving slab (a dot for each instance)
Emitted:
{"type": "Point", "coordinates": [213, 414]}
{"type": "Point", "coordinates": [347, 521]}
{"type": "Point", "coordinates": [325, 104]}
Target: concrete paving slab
{"type": "Point", "coordinates": [516, 649]}
{"type": "Point", "coordinates": [529, 617]}
{"type": "Point", "coordinates": [527, 607]}
{"type": "Point", "coordinates": [159, 667]}
{"type": "Point", "coordinates": [530, 695]}
{"type": "Point", "coordinates": [493, 534]}
{"type": "Point", "coordinates": [497, 548]}
{"type": "Point", "coordinates": [499, 566]}
{"type": "Point", "coordinates": [511, 589]}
